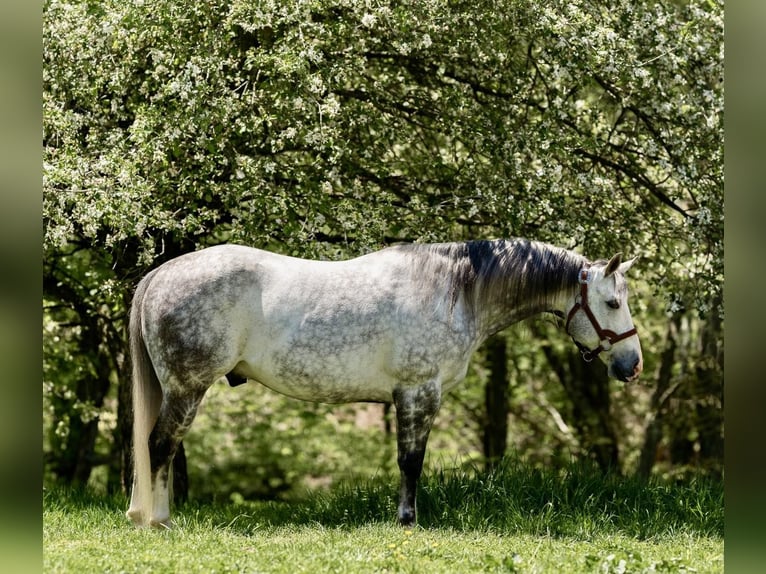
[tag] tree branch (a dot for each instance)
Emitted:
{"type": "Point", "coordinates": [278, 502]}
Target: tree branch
{"type": "Point", "coordinates": [653, 188]}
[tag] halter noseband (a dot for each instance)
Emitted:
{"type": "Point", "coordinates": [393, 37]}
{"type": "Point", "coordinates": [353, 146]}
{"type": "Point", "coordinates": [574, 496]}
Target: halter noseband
{"type": "Point", "coordinates": [606, 337]}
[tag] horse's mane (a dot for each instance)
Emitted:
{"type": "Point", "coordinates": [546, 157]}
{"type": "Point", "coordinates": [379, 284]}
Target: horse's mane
{"type": "Point", "coordinates": [515, 271]}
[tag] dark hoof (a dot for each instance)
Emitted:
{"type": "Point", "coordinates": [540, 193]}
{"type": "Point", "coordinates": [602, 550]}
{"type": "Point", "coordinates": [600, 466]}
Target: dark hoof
{"type": "Point", "coordinates": [406, 517]}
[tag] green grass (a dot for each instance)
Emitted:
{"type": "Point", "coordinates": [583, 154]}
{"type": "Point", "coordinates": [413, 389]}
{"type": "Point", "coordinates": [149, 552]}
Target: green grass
{"type": "Point", "coordinates": [515, 520]}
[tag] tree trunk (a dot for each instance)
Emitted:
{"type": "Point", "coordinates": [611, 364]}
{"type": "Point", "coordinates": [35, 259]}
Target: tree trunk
{"type": "Point", "coordinates": [709, 409]}
{"type": "Point", "coordinates": [662, 392]}
{"type": "Point", "coordinates": [75, 459]}
{"type": "Point", "coordinates": [495, 427]}
{"type": "Point", "coordinates": [696, 430]}
{"type": "Point", "coordinates": [587, 386]}
{"type": "Point", "coordinates": [123, 440]}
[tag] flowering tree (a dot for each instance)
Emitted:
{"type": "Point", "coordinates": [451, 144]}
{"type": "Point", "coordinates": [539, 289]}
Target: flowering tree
{"type": "Point", "coordinates": [330, 128]}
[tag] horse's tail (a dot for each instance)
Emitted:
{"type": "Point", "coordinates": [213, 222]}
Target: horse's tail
{"type": "Point", "coordinates": [147, 399]}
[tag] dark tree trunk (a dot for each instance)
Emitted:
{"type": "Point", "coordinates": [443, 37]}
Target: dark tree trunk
{"type": "Point", "coordinates": [123, 441]}
{"type": "Point", "coordinates": [662, 392]}
{"type": "Point", "coordinates": [74, 460]}
{"type": "Point", "coordinates": [696, 432]}
{"type": "Point", "coordinates": [709, 409]}
{"type": "Point", "coordinates": [387, 429]}
{"type": "Point", "coordinates": [495, 427]}
{"type": "Point", "coordinates": [587, 386]}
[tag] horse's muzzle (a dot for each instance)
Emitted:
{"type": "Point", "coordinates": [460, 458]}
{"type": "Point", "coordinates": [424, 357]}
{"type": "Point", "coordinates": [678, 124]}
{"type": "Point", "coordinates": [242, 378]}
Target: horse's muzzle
{"type": "Point", "coordinates": [626, 369]}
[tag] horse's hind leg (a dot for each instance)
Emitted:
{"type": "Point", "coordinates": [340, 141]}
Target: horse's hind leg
{"type": "Point", "coordinates": [416, 408]}
{"type": "Point", "coordinates": [179, 407]}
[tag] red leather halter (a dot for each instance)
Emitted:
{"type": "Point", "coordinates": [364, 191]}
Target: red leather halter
{"type": "Point", "coordinates": [606, 337]}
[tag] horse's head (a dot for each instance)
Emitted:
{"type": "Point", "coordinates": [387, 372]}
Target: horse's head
{"type": "Point", "coordinates": [599, 321]}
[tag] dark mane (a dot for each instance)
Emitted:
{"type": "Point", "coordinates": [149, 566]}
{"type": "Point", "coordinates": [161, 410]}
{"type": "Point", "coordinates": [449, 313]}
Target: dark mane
{"type": "Point", "coordinates": [517, 272]}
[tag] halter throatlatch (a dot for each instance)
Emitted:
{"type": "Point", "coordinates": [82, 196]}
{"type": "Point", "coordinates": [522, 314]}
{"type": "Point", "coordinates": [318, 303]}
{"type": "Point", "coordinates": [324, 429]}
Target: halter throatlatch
{"type": "Point", "coordinates": [606, 337]}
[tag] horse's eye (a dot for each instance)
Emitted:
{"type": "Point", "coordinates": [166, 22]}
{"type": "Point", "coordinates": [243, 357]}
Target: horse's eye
{"type": "Point", "coordinates": [613, 303]}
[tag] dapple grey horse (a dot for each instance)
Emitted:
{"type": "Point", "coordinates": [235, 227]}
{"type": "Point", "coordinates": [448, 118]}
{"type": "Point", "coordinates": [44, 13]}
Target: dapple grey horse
{"type": "Point", "coordinates": [397, 325]}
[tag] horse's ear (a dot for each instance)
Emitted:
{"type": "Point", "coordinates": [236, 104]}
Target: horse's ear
{"type": "Point", "coordinates": [625, 265]}
{"type": "Point", "coordinates": [613, 265]}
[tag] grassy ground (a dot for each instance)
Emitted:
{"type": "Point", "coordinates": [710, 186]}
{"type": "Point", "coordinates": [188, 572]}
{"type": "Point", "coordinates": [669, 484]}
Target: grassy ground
{"type": "Point", "coordinates": [515, 520]}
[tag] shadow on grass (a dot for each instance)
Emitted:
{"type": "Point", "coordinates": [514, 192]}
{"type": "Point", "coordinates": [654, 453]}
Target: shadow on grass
{"type": "Point", "coordinates": [579, 501]}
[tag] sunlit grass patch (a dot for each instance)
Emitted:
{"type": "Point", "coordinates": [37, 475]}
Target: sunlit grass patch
{"type": "Point", "coordinates": [517, 519]}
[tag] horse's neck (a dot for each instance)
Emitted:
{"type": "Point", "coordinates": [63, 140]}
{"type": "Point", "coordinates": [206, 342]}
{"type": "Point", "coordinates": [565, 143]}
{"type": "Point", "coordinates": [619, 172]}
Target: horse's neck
{"type": "Point", "coordinates": [495, 318]}
{"type": "Point", "coordinates": [501, 307]}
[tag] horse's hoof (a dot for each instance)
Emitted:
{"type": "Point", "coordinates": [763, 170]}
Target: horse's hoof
{"type": "Point", "coordinates": [164, 524]}
{"type": "Point", "coordinates": [135, 517]}
{"type": "Point", "coordinates": [406, 517]}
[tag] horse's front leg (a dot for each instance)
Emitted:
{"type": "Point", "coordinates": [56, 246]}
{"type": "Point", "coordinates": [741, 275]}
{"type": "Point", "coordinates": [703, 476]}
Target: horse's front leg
{"type": "Point", "coordinates": [416, 408]}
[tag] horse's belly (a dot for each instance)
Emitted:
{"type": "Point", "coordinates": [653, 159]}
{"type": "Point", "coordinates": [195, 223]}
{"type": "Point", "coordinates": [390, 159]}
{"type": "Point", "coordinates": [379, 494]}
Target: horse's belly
{"type": "Point", "coordinates": [310, 390]}
{"type": "Point", "coordinates": [337, 378]}
{"type": "Point", "coordinates": [317, 390]}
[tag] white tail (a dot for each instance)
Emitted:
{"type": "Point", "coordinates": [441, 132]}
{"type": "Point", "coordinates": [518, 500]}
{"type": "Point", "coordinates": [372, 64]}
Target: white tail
{"type": "Point", "coordinates": [147, 399]}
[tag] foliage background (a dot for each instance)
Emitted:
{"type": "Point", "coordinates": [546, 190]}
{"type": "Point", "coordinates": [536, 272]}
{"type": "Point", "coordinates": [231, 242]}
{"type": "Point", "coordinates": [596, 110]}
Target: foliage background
{"type": "Point", "coordinates": [331, 128]}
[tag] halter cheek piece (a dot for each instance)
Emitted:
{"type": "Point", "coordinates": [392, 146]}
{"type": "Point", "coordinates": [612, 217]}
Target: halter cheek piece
{"type": "Point", "coordinates": [606, 337]}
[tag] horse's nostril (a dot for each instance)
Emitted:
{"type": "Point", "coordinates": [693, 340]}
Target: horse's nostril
{"type": "Point", "coordinates": [628, 369]}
